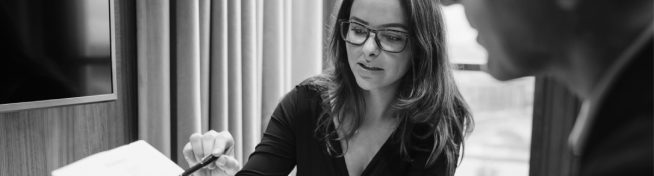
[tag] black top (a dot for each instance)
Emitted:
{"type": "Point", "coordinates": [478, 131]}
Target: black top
{"type": "Point", "coordinates": [290, 140]}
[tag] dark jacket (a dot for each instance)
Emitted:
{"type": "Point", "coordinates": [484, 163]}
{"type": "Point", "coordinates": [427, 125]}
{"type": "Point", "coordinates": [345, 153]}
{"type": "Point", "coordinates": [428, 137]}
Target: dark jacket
{"type": "Point", "coordinates": [621, 139]}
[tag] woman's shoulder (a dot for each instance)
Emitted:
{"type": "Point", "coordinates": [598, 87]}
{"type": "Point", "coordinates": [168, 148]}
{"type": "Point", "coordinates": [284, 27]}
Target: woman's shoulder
{"type": "Point", "coordinates": [314, 86]}
{"type": "Point", "coordinates": [301, 102]}
{"type": "Point", "coordinates": [306, 97]}
{"type": "Point", "coordinates": [302, 106]}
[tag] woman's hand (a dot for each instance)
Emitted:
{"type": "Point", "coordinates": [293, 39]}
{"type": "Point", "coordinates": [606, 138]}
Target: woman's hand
{"type": "Point", "coordinates": [212, 143]}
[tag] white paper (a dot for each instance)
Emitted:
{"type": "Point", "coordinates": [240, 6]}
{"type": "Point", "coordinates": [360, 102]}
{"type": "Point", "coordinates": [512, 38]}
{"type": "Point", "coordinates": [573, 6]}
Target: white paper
{"type": "Point", "coordinates": [136, 159]}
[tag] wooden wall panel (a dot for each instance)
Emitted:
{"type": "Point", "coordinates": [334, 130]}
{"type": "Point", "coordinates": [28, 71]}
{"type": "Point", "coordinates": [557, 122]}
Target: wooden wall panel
{"type": "Point", "coordinates": [35, 142]}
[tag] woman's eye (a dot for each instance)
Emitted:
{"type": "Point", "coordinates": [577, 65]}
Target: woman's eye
{"type": "Point", "coordinates": [393, 38]}
{"type": "Point", "coordinates": [359, 31]}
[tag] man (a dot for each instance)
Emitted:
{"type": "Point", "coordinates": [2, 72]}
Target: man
{"type": "Point", "coordinates": [599, 49]}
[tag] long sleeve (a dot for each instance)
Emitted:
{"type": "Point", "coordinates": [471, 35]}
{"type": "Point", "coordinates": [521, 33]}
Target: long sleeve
{"type": "Point", "coordinates": [275, 155]}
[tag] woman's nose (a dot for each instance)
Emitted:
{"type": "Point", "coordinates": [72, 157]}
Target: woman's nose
{"type": "Point", "coordinates": [370, 47]}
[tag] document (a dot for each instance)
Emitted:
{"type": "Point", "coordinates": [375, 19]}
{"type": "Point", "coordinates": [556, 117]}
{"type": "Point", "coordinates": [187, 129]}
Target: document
{"type": "Point", "coordinates": [136, 159]}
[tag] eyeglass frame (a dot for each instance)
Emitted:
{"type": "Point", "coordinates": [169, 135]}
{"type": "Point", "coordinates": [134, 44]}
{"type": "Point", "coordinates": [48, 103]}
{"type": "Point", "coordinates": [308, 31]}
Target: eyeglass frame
{"type": "Point", "coordinates": [341, 21]}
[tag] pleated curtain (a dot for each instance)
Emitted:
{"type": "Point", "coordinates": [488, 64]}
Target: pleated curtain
{"type": "Point", "coordinates": [221, 65]}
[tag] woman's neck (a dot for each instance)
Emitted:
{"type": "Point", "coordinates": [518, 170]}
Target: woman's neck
{"type": "Point", "coordinates": [378, 102]}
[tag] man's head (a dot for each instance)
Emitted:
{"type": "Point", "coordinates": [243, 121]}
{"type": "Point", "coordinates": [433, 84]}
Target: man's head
{"type": "Point", "coordinates": [573, 40]}
{"type": "Point", "coordinates": [521, 37]}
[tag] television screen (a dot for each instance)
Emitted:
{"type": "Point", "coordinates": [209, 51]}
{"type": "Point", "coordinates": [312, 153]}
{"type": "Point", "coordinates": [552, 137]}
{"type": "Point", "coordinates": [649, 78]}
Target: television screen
{"type": "Point", "coordinates": [54, 49]}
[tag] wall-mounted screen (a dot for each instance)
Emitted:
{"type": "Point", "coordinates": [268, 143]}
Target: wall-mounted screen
{"type": "Point", "coordinates": [56, 52]}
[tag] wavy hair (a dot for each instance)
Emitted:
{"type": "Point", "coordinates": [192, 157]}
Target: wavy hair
{"type": "Point", "coordinates": [428, 95]}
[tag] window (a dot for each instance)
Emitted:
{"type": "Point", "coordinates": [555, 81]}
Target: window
{"type": "Point", "coordinates": [500, 142]}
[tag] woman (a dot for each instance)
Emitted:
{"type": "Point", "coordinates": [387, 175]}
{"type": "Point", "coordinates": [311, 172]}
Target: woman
{"type": "Point", "coordinates": [387, 106]}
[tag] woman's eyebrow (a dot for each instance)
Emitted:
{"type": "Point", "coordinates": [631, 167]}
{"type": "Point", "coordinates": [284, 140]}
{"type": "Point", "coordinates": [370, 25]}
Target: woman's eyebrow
{"type": "Point", "coordinates": [358, 20]}
{"type": "Point", "coordinates": [398, 25]}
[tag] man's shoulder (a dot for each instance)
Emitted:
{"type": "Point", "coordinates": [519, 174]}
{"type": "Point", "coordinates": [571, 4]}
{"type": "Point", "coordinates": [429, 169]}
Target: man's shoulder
{"type": "Point", "coordinates": [621, 138]}
{"type": "Point", "coordinates": [629, 97]}
{"type": "Point", "coordinates": [625, 151]}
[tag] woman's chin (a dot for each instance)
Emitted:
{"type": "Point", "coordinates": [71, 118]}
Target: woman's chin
{"type": "Point", "coordinates": [367, 84]}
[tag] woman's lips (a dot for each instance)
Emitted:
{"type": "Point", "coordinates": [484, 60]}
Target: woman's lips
{"type": "Point", "coordinates": [368, 72]}
{"type": "Point", "coordinates": [369, 67]}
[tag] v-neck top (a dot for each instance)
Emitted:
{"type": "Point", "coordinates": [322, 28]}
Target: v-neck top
{"type": "Point", "coordinates": [291, 140]}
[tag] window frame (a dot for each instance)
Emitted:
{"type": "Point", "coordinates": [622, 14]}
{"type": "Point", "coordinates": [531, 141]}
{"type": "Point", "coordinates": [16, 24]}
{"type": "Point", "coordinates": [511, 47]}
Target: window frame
{"type": "Point", "coordinates": [555, 110]}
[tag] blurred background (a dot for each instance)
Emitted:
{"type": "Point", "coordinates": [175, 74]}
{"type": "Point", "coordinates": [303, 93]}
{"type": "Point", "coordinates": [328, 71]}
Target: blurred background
{"type": "Point", "coordinates": [500, 142]}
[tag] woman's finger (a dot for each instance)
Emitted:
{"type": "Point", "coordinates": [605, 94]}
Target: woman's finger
{"type": "Point", "coordinates": [196, 144]}
{"type": "Point", "coordinates": [229, 164]}
{"type": "Point", "coordinates": [188, 155]}
{"type": "Point", "coordinates": [230, 151]}
{"type": "Point", "coordinates": [190, 159]}
{"type": "Point", "coordinates": [226, 143]}
{"type": "Point", "coordinates": [208, 140]}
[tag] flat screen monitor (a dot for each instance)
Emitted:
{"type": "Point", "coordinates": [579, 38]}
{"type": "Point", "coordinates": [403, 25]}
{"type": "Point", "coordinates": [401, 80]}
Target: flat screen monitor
{"type": "Point", "coordinates": [56, 52]}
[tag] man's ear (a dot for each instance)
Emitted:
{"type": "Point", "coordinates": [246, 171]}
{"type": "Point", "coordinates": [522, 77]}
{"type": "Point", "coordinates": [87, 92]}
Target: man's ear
{"type": "Point", "coordinates": [448, 2]}
{"type": "Point", "coordinates": [568, 5]}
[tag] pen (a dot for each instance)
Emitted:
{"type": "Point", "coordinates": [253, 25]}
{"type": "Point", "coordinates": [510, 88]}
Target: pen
{"type": "Point", "coordinates": [205, 161]}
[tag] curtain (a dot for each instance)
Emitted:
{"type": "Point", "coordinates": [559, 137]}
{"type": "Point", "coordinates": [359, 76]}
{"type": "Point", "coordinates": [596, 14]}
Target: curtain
{"type": "Point", "coordinates": [221, 65]}
{"type": "Point", "coordinates": [153, 68]}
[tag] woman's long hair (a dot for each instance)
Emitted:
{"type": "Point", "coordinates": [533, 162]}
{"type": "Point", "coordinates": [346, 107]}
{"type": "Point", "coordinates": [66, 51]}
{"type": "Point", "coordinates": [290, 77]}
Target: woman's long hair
{"type": "Point", "coordinates": [427, 96]}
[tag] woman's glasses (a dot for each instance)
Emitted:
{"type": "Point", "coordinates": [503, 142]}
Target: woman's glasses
{"type": "Point", "coordinates": [387, 39]}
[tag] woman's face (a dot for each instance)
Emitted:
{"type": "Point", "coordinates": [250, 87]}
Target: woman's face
{"type": "Point", "coordinates": [372, 67]}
